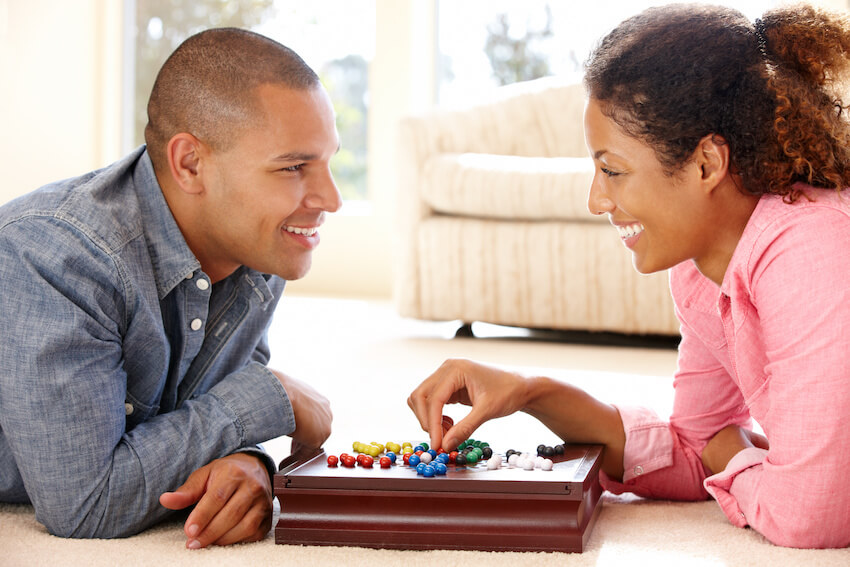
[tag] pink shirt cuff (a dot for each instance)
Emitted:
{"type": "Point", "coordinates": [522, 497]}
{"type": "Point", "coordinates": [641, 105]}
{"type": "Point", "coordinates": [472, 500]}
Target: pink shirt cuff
{"type": "Point", "coordinates": [649, 443]}
{"type": "Point", "coordinates": [720, 484]}
{"type": "Point", "coordinates": [649, 446]}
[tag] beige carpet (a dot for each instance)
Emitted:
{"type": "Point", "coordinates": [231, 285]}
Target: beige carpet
{"type": "Point", "coordinates": [367, 361]}
{"type": "Point", "coordinates": [628, 532]}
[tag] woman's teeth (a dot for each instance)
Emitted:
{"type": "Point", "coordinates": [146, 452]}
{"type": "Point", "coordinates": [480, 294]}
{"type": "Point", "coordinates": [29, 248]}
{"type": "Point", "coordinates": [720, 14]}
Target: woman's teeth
{"type": "Point", "coordinates": [627, 231]}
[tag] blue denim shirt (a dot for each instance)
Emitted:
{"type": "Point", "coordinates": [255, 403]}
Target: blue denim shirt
{"type": "Point", "coordinates": [122, 370]}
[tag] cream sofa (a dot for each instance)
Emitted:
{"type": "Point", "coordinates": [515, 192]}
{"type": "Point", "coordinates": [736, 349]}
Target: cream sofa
{"type": "Point", "coordinates": [495, 227]}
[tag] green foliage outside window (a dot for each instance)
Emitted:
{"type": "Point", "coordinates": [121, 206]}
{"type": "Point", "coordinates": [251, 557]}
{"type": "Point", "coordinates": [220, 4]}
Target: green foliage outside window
{"type": "Point", "coordinates": [516, 59]}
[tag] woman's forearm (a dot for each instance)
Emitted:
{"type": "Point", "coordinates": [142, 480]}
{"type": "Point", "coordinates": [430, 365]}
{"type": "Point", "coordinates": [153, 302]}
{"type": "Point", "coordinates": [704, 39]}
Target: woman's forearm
{"type": "Point", "coordinates": [577, 417]}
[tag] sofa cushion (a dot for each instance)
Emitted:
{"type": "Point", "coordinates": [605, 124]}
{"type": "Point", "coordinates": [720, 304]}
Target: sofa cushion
{"type": "Point", "coordinates": [509, 187]}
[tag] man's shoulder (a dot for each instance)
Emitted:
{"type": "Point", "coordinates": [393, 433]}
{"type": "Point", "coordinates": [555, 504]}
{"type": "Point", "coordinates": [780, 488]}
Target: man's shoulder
{"type": "Point", "coordinates": [102, 205]}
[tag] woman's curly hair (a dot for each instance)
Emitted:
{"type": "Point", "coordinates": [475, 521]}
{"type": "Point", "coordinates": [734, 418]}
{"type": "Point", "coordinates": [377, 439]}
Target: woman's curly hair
{"type": "Point", "coordinates": [771, 89]}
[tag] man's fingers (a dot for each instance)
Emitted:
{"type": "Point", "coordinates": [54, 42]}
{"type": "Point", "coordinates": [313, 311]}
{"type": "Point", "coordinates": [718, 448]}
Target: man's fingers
{"type": "Point", "coordinates": [237, 493]}
{"type": "Point", "coordinates": [295, 446]}
{"type": "Point", "coordinates": [312, 411]}
{"type": "Point", "coordinates": [188, 493]}
{"type": "Point", "coordinates": [239, 518]}
{"type": "Point", "coordinates": [216, 498]}
{"type": "Point", "coordinates": [254, 526]}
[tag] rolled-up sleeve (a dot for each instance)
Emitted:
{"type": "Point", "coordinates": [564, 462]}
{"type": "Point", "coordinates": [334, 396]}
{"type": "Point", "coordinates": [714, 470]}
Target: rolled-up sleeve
{"type": "Point", "coordinates": [657, 464]}
{"type": "Point", "coordinates": [720, 485]}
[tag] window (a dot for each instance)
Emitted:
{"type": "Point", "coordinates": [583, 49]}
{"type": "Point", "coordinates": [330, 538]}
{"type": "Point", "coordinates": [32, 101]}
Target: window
{"type": "Point", "coordinates": [318, 31]}
{"type": "Point", "coordinates": [488, 43]}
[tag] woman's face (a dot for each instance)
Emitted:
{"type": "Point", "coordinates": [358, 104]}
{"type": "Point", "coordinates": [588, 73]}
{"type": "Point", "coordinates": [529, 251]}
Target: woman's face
{"type": "Point", "coordinates": [658, 216]}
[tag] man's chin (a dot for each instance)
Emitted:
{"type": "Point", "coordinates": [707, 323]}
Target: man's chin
{"type": "Point", "coordinates": [292, 273]}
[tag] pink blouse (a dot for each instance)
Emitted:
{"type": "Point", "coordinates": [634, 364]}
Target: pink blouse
{"type": "Point", "coordinates": [772, 343]}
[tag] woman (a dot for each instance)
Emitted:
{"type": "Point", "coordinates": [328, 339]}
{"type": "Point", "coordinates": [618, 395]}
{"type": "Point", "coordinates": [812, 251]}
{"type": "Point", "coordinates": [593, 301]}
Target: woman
{"type": "Point", "coordinates": [721, 152]}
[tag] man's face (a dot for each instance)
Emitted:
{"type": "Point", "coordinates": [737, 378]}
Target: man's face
{"type": "Point", "coordinates": [266, 196]}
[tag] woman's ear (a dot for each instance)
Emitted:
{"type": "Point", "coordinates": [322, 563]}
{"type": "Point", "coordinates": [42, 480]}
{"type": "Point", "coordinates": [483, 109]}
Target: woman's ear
{"type": "Point", "coordinates": [712, 157]}
{"type": "Point", "coordinates": [184, 153]}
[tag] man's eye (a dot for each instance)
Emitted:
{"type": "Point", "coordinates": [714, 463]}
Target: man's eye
{"type": "Point", "coordinates": [293, 168]}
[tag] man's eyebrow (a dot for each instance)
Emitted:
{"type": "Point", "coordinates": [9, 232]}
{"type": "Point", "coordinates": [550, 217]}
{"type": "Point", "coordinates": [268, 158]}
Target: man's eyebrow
{"type": "Point", "coordinates": [294, 156]}
{"type": "Point", "coordinates": [298, 156]}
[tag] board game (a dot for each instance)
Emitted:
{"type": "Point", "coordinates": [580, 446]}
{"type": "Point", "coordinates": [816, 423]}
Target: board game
{"type": "Point", "coordinates": [469, 507]}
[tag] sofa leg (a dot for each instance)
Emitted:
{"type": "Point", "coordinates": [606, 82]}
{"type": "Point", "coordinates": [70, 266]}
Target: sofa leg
{"type": "Point", "coordinates": [465, 330]}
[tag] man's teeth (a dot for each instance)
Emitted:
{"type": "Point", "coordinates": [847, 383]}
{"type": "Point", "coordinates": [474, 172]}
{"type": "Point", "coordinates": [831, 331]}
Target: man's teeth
{"type": "Point", "coordinates": [304, 231]}
{"type": "Point", "coordinates": [630, 230]}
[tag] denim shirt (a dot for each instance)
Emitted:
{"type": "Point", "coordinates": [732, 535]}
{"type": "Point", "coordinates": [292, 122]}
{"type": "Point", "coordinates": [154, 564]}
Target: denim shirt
{"type": "Point", "coordinates": [122, 370]}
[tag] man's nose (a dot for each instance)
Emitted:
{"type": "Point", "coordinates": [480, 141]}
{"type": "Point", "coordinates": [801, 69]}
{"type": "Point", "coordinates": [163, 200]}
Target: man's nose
{"type": "Point", "coordinates": [324, 194]}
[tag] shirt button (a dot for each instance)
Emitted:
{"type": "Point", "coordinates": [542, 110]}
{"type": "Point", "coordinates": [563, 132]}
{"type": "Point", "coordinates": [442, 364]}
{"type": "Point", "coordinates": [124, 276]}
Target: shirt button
{"type": "Point", "coordinates": [190, 276]}
{"type": "Point", "coordinates": [128, 409]}
{"type": "Point", "coordinates": [202, 284]}
{"type": "Point", "coordinates": [196, 324]}
{"type": "Point", "coordinates": [638, 470]}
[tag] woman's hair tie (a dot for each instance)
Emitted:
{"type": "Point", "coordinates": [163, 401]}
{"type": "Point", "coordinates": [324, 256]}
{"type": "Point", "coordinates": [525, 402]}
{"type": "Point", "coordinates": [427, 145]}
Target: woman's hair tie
{"type": "Point", "coordinates": [761, 36]}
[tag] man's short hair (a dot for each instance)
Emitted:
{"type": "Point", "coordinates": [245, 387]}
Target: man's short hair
{"type": "Point", "coordinates": [207, 87]}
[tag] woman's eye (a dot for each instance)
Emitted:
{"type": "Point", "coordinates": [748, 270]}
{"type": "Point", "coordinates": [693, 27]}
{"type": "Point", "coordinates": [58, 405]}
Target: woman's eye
{"type": "Point", "coordinates": [608, 172]}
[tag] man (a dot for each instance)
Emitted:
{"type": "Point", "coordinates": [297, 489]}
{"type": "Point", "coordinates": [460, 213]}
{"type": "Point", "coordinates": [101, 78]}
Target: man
{"type": "Point", "coordinates": [136, 299]}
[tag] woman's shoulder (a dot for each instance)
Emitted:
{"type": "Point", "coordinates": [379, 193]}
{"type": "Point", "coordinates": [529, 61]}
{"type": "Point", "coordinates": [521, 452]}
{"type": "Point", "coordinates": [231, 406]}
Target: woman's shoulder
{"type": "Point", "coordinates": [813, 200]}
{"type": "Point", "coordinates": [819, 214]}
{"type": "Point", "coordinates": [785, 242]}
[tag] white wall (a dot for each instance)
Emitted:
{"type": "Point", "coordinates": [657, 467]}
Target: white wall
{"type": "Point", "coordinates": [61, 113]}
{"type": "Point", "coordinates": [60, 100]}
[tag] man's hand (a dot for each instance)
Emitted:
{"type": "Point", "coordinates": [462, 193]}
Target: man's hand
{"type": "Point", "coordinates": [727, 443]}
{"type": "Point", "coordinates": [312, 411]}
{"type": "Point", "coordinates": [234, 502]}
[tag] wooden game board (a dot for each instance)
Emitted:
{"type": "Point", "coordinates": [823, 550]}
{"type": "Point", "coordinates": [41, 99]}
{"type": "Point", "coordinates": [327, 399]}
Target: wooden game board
{"type": "Point", "coordinates": [468, 508]}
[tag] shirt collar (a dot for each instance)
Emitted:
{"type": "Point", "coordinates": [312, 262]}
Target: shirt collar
{"type": "Point", "coordinates": [171, 258]}
{"type": "Point", "coordinates": [744, 248]}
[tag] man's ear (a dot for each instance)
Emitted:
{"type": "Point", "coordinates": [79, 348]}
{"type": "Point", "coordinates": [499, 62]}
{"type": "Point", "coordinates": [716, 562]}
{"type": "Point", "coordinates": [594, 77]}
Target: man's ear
{"type": "Point", "coordinates": [184, 152]}
{"type": "Point", "coordinates": [712, 158]}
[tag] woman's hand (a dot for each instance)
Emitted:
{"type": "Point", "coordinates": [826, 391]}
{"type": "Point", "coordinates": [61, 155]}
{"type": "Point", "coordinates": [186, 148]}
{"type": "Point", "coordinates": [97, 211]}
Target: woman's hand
{"type": "Point", "coordinates": [727, 443]}
{"type": "Point", "coordinates": [490, 391]}
{"type": "Point", "coordinates": [567, 411]}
